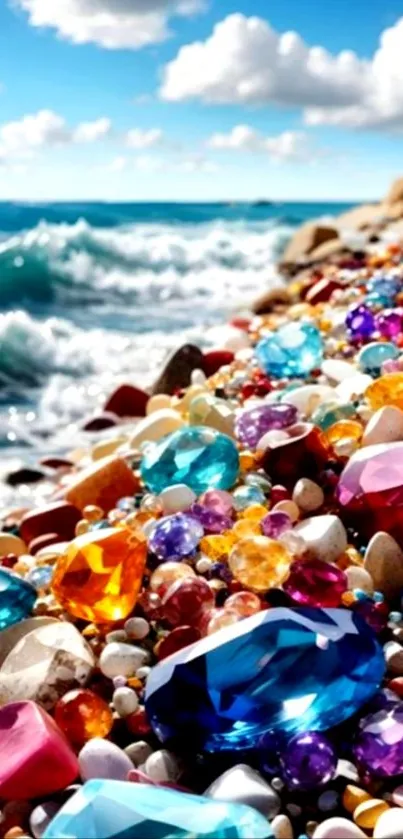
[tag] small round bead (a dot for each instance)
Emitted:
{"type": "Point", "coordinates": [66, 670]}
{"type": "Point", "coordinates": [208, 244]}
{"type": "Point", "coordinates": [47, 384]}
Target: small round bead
{"type": "Point", "coordinates": [125, 701]}
{"type": "Point", "coordinates": [93, 513]}
{"type": "Point", "coordinates": [137, 628]}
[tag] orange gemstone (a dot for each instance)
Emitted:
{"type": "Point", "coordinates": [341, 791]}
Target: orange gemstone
{"type": "Point", "coordinates": [218, 545]}
{"type": "Point", "coordinates": [246, 527]}
{"type": "Point", "coordinates": [260, 563]}
{"type": "Point", "coordinates": [344, 430]}
{"type": "Point", "coordinates": [256, 512]}
{"type": "Point", "coordinates": [99, 577]}
{"type": "Point", "coordinates": [387, 390]}
{"type": "Point", "coordinates": [82, 715]}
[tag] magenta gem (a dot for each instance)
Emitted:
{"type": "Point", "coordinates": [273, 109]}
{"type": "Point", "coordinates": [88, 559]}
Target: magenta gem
{"type": "Point", "coordinates": [275, 524]}
{"type": "Point", "coordinates": [218, 500]}
{"type": "Point", "coordinates": [251, 425]}
{"type": "Point", "coordinates": [389, 323]}
{"type": "Point", "coordinates": [315, 583]}
{"type": "Point", "coordinates": [374, 614]}
{"type": "Point", "coordinates": [308, 761]}
{"type": "Point", "coordinates": [211, 520]}
{"type": "Point", "coordinates": [379, 745]}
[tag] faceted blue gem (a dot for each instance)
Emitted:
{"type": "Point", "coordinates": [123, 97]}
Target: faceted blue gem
{"type": "Point", "coordinates": [197, 456]}
{"type": "Point", "coordinates": [294, 350]}
{"type": "Point", "coordinates": [290, 670]}
{"type": "Point", "coordinates": [104, 809]}
{"type": "Point", "coordinates": [371, 357]}
{"type": "Point", "coordinates": [17, 598]}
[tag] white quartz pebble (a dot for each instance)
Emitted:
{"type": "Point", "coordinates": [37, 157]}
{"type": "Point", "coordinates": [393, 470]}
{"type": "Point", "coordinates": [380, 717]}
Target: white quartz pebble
{"type": "Point", "coordinates": [393, 653]}
{"type": "Point", "coordinates": [389, 824]}
{"type": "Point", "coordinates": [125, 701]}
{"type": "Point", "coordinates": [353, 386]}
{"type": "Point", "coordinates": [282, 827]}
{"type": "Point", "coordinates": [397, 795]}
{"type": "Point", "coordinates": [359, 578]}
{"type": "Point", "coordinates": [276, 435]}
{"type": "Point", "coordinates": [244, 785]}
{"type": "Point", "coordinates": [307, 398]}
{"type": "Point", "coordinates": [324, 537]}
{"type": "Point", "coordinates": [385, 426]}
{"type": "Point", "coordinates": [337, 370]}
{"type": "Point", "coordinates": [307, 495]}
{"type": "Point", "coordinates": [138, 752]}
{"type": "Point", "coordinates": [162, 766]}
{"type": "Point", "coordinates": [177, 498]}
{"type": "Point", "coordinates": [338, 828]}
{"type": "Point", "coordinates": [158, 402]}
{"type": "Point", "coordinates": [384, 561]}
{"type": "Point", "coordinates": [121, 660]}
{"type": "Point", "coordinates": [155, 426]}
{"type": "Point", "coordinates": [103, 759]}
{"type": "Point", "coordinates": [137, 628]}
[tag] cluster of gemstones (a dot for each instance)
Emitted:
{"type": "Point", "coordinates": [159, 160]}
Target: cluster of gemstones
{"type": "Point", "coordinates": [201, 634]}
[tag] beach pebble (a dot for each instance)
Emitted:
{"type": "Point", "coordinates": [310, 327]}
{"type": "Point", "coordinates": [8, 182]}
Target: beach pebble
{"type": "Point", "coordinates": [337, 370]}
{"type": "Point", "coordinates": [162, 766]}
{"type": "Point", "coordinates": [41, 817]}
{"type": "Point", "coordinates": [393, 653]}
{"type": "Point", "coordinates": [100, 422]}
{"type": "Point", "coordinates": [307, 495]}
{"type": "Point", "coordinates": [276, 435]}
{"type": "Point", "coordinates": [288, 507]}
{"type": "Point", "coordinates": [125, 701]}
{"type": "Point", "coordinates": [119, 659]}
{"type": "Point", "coordinates": [353, 386]}
{"type": "Point", "coordinates": [328, 801]}
{"type": "Point", "coordinates": [102, 484]}
{"type": "Point", "coordinates": [385, 426]}
{"type": "Point", "coordinates": [229, 337]}
{"type": "Point", "coordinates": [338, 828]}
{"type": "Point", "coordinates": [383, 560]}
{"type": "Point", "coordinates": [107, 447]}
{"type": "Point", "coordinates": [103, 759]}
{"type": "Point", "coordinates": [10, 544]}
{"type": "Point", "coordinates": [215, 359]}
{"type": "Point", "coordinates": [307, 398]}
{"type": "Point", "coordinates": [158, 403]}
{"type": "Point", "coordinates": [138, 752]}
{"type": "Point", "coordinates": [127, 401]}
{"type": "Point", "coordinates": [178, 369]}
{"type": "Point", "coordinates": [244, 785]}
{"type": "Point", "coordinates": [390, 824]}
{"type": "Point", "coordinates": [368, 812]}
{"type": "Point", "coordinates": [155, 426]}
{"type": "Point", "coordinates": [177, 498]}
{"type": "Point", "coordinates": [324, 537]}
{"type": "Point", "coordinates": [359, 578]}
{"type": "Point", "coordinates": [282, 827]}
{"type": "Point", "coordinates": [137, 628]}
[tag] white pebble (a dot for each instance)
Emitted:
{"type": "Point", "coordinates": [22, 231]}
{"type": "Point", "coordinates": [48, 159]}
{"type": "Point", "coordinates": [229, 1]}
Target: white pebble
{"type": "Point", "coordinates": [116, 635]}
{"type": "Point", "coordinates": [289, 507]}
{"type": "Point", "coordinates": [307, 398]}
{"type": "Point", "coordinates": [157, 403]}
{"type": "Point", "coordinates": [384, 561]}
{"type": "Point", "coordinates": [390, 824]}
{"type": "Point", "coordinates": [307, 495]}
{"type": "Point", "coordinates": [358, 577]}
{"type": "Point", "coordinates": [137, 628]}
{"type": "Point", "coordinates": [198, 377]}
{"type": "Point", "coordinates": [338, 828]}
{"type": "Point", "coordinates": [324, 537]}
{"type": "Point", "coordinates": [177, 498]}
{"type": "Point", "coordinates": [203, 565]}
{"type": "Point", "coordinates": [143, 673]}
{"type": "Point", "coordinates": [41, 817]}
{"type": "Point", "coordinates": [103, 759]}
{"type": "Point", "coordinates": [163, 766]}
{"type": "Point", "coordinates": [282, 827]}
{"type": "Point", "coordinates": [121, 660]}
{"type": "Point", "coordinates": [125, 701]}
{"type": "Point", "coordinates": [271, 437]}
{"type": "Point", "coordinates": [337, 370]}
{"type": "Point", "coordinates": [353, 386]}
{"type": "Point", "coordinates": [385, 426]}
{"type": "Point", "coordinates": [155, 426]}
{"type": "Point", "coordinates": [393, 653]}
{"type": "Point", "coordinates": [138, 752]}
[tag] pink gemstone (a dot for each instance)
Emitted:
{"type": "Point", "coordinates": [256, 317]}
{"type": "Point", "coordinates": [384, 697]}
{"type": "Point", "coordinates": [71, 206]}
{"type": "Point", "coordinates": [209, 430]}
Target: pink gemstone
{"type": "Point", "coordinates": [315, 583]}
{"type": "Point", "coordinates": [370, 490]}
{"type": "Point", "coordinates": [36, 758]}
{"type": "Point", "coordinates": [218, 500]}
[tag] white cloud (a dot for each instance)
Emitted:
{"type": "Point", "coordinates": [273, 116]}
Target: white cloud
{"type": "Point", "coordinates": [22, 138]}
{"type": "Point", "coordinates": [118, 164]}
{"type": "Point", "coordinates": [136, 138]}
{"type": "Point", "coordinates": [113, 24]}
{"type": "Point", "coordinates": [147, 163]}
{"type": "Point", "coordinates": [89, 132]}
{"type": "Point", "coordinates": [189, 165]}
{"type": "Point", "coordinates": [198, 163]}
{"type": "Point", "coordinates": [288, 146]}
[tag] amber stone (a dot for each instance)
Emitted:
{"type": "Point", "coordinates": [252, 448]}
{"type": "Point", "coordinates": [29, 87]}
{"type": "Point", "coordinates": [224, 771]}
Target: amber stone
{"type": "Point", "coordinates": [82, 715]}
{"type": "Point", "coordinates": [102, 484]}
{"type": "Point", "coordinates": [387, 390]}
{"type": "Point", "coordinates": [302, 455]}
{"type": "Point", "coordinates": [260, 563]}
{"type": "Point", "coordinates": [99, 577]}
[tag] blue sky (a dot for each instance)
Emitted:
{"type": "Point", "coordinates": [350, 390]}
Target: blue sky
{"type": "Point", "coordinates": [191, 100]}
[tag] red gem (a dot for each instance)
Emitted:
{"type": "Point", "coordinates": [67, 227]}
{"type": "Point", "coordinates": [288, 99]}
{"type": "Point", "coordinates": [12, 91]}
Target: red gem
{"type": "Point", "coordinates": [215, 359]}
{"type": "Point", "coordinates": [315, 583]}
{"type": "Point", "coordinates": [137, 723]}
{"type": "Point", "coordinates": [127, 401]}
{"type": "Point", "coordinates": [279, 493]}
{"type": "Point", "coordinates": [186, 600]}
{"type": "Point", "coordinates": [179, 638]}
{"type": "Point", "coordinates": [302, 455]}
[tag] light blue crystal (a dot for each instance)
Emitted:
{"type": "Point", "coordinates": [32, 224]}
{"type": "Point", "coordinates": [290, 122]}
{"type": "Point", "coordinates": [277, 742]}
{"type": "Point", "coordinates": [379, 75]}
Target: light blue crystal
{"type": "Point", "coordinates": [330, 412]}
{"type": "Point", "coordinates": [197, 456]}
{"type": "Point", "coordinates": [17, 598]}
{"type": "Point", "coordinates": [104, 809]}
{"type": "Point", "coordinates": [244, 496]}
{"type": "Point", "coordinates": [286, 670]}
{"type": "Point", "coordinates": [294, 350]}
{"type": "Point", "coordinates": [371, 357]}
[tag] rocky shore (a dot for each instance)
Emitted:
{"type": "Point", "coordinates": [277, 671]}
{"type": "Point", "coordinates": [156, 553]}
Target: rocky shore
{"type": "Point", "coordinates": [201, 626]}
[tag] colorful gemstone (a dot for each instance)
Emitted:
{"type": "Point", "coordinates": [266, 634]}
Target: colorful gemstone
{"type": "Point", "coordinates": [259, 563]}
{"type": "Point", "coordinates": [99, 577]}
{"type": "Point", "coordinates": [175, 536]}
{"type": "Point", "coordinates": [251, 425]}
{"type": "Point", "coordinates": [379, 743]}
{"type": "Point", "coordinates": [360, 322]}
{"type": "Point", "coordinates": [302, 455]}
{"type": "Point", "coordinates": [82, 715]}
{"type": "Point", "coordinates": [266, 672]}
{"type": "Point", "coordinates": [308, 761]}
{"type": "Point", "coordinates": [275, 524]}
{"type": "Point", "coordinates": [389, 323]}
{"type": "Point", "coordinates": [244, 496]}
{"type": "Point", "coordinates": [387, 390]}
{"type": "Point", "coordinates": [371, 357]}
{"type": "Point", "coordinates": [17, 598]}
{"type": "Point", "coordinates": [313, 582]}
{"type": "Point", "coordinates": [199, 457]}
{"type": "Point", "coordinates": [294, 350]}
{"type": "Point", "coordinates": [210, 520]}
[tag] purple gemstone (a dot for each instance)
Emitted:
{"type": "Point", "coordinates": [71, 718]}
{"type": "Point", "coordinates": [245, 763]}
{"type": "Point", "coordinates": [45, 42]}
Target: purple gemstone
{"type": "Point", "coordinates": [389, 323]}
{"type": "Point", "coordinates": [251, 425]}
{"type": "Point", "coordinates": [374, 614]}
{"type": "Point", "coordinates": [275, 524]}
{"type": "Point", "coordinates": [379, 745]}
{"type": "Point", "coordinates": [211, 520]}
{"type": "Point", "coordinates": [218, 500]}
{"type": "Point", "coordinates": [175, 536]}
{"type": "Point", "coordinates": [360, 321]}
{"type": "Point", "coordinates": [308, 761]}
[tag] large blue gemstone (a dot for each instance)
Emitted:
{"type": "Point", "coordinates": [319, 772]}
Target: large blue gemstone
{"type": "Point", "coordinates": [294, 350]}
{"type": "Point", "coordinates": [289, 670]}
{"type": "Point", "coordinates": [197, 456]}
{"type": "Point", "coordinates": [17, 598]}
{"type": "Point", "coordinates": [120, 810]}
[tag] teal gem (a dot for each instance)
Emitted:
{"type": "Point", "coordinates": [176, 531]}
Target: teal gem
{"type": "Point", "coordinates": [197, 456]}
{"type": "Point", "coordinates": [294, 350]}
{"type": "Point", "coordinates": [244, 496]}
{"type": "Point", "coordinates": [330, 412]}
{"type": "Point", "coordinates": [371, 357]}
{"type": "Point", "coordinates": [17, 598]}
{"type": "Point", "coordinates": [104, 809]}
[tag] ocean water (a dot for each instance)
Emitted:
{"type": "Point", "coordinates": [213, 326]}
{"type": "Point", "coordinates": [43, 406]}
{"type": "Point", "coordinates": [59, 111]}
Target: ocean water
{"type": "Point", "coordinates": [95, 294]}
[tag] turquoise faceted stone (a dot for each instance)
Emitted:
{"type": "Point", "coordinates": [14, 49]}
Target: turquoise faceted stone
{"type": "Point", "coordinates": [282, 670]}
{"type": "Point", "coordinates": [17, 598]}
{"type": "Point", "coordinates": [294, 350]}
{"type": "Point", "coordinates": [197, 456]}
{"type": "Point", "coordinates": [371, 357]}
{"type": "Point", "coordinates": [104, 809]}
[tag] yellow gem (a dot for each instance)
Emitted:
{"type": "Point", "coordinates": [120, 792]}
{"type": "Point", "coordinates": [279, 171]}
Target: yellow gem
{"type": "Point", "coordinates": [387, 390]}
{"type": "Point", "coordinates": [347, 598]}
{"type": "Point", "coordinates": [247, 461]}
{"type": "Point", "coordinates": [218, 545]}
{"type": "Point", "coordinates": [99, 577]}
{"type": "Point", "coordinates": [260, 563]}
{"type": "Point", "coordinates": [256, 512]}
{"type": "Point", "coordinates": [246, 527]}
{"type": "Point", "coordinates": [344, 430]}
{"type": "Point", "coordinates": [353, 796]}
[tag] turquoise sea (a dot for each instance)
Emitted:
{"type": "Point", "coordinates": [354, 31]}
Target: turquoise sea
{"type": "Point", "coordinates": [91, 294]}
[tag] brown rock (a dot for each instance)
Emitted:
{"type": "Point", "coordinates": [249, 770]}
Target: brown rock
{"type": "Point", "coordinates": [43, 541]}
{"type": "Point", "coordinates": [127, 401]}
{"type": "Point", "coordinates": [60, 518]}
{"type": "Point", "coordinates": [56, 463]}
{"type": "Point", "coordinates": [328, 250]}
{"type": "Point", "coordinates": [25, 475]}
{"type": "Point", "coordinates": [305, 240]}
{"type": "Point", "coordinates": [359, 218]}
{"type": "Point", "coordinates": [102, 484]}
{"type": "Point", "coordinates": [178, 369]}
{"type": "Point", "coordinates": [271, 300]}
{"type": "Point", "coordinates": [100, 422]}
{"type": "Point", "coordinates": [395, 193]}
